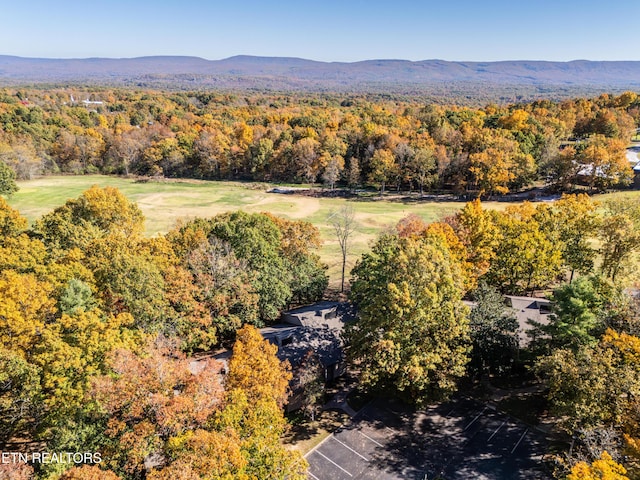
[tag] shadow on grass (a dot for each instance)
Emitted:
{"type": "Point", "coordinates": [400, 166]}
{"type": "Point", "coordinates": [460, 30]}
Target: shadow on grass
{"type": "Point", "coordinates": [304, 434]}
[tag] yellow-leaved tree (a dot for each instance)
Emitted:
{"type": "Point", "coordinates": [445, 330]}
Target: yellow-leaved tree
{"type": "Point", "coordinates": [257, 387]}
{"type": "Point", "coordinates": [25, 307]}
{"type": "Point", "coordinates": [255, 369]}
{"type": "Point", "coordinates": [604, 468]}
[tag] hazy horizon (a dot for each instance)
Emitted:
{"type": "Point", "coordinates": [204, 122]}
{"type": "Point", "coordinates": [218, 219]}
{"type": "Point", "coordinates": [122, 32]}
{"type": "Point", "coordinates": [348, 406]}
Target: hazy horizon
{"type": "Point", "coordinates": [332, 31]}
{"type": "Point", "coordinates": [373, 59]}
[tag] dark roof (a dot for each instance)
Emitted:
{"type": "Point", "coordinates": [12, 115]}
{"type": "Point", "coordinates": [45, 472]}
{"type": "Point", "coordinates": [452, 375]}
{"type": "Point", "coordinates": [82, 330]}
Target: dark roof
{"type": "Point", "coordinates": [294, 342]}
{"type": "Point", "coordinates": [528, 310]}
{"type": "Point", "coordinates": [318, 314]}
{"type": "Point", "coordinates": [315, 328]}
{"type": "Point", "coordinates": [319, 330]}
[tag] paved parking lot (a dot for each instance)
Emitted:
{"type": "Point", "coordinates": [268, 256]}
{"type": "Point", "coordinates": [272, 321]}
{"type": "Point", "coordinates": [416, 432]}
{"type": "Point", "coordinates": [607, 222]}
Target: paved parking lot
{"type": "Point", "coordinates": [456, 440]}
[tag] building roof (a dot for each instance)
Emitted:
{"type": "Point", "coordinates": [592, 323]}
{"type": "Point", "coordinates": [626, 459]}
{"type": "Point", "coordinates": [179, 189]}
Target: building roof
{"type": "Point", "coordinates": [528, 310]}
{"type": "Point", "coordinates": [318, 314]}
{"type": "Point", "coordinates": [295, 342]}
{"type": "Point", "coordinates": [317, 327]}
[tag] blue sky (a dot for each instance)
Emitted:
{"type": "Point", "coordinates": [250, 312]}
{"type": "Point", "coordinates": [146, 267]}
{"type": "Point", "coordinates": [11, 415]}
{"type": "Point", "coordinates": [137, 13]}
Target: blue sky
{"type": "Point", "coordinates": [327, 30]}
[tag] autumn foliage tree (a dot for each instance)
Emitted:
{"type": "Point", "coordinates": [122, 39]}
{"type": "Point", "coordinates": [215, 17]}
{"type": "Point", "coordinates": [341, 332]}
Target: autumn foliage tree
{"type": "Point", "coordinates": [153, 399]}
{"type": "Point", "coordinates": [604, 468]}
{"type": "Point", "coordinates": [256, 390]}
{"type": "Point", "coordinates": [620, 236]}
{"type": "Point", "coordinates": [96, 213]}
{"type": "Point", "coordinates": [525, 257]}
{"type": "Point", "coordinates": [7, 180]}
{"type": "Point", "coordinates": [255, 370]}
{"type": "Point", "coordinates": [411, 320]}
{"type": "Point", "coordinates": [478, 150]}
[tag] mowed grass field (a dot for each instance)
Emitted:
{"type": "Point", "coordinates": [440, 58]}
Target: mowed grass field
{"type": "Point", "coordinates": [164, 203]}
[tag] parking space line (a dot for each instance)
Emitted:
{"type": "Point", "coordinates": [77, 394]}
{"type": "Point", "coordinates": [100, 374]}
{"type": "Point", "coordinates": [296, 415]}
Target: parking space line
{"type": "Point", "coordinates": [492, 435]}
{"type": "Point", "coordinates": [312, 475]}
{"type": "Point", "coordinates": [348, 447]}
{"type": "Point", "coordinates": [525, 432]}
{"type": "Point", "coordinates": [368, 437]}
{"type": "Point", "coordinates": [477, 417]}
{"type": "Point", "coordinates": [323, 455]}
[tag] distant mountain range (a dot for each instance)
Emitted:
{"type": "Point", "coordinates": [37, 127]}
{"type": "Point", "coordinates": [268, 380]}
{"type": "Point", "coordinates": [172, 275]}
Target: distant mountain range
{"type": "Point", "coordinates": [283, 74]}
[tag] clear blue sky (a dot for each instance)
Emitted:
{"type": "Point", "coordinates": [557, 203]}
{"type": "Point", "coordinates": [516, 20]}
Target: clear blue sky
{"type": "Point", "coordinates": [328, 30]}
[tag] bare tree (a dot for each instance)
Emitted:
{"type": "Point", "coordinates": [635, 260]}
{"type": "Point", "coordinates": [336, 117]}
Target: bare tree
{"type": "Point", "coordinates": [343, 222]}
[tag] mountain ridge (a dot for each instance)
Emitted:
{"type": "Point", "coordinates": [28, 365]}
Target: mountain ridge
{"type": "Point", "coordinates": [293, 73]}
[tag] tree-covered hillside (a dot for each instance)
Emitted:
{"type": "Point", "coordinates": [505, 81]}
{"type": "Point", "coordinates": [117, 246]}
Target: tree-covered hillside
{"type": "Point", "coordinates": [337, 140]}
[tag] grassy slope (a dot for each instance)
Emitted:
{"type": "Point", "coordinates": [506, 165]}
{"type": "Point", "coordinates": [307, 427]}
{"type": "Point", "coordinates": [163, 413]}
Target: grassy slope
{"type": "Point", "coordinates": [164, 203]}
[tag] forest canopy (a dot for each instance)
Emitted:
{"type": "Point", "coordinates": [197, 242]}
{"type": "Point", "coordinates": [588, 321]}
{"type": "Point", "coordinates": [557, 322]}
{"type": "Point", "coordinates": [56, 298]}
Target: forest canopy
{"type": "Point", "coordinates": [345, 141]}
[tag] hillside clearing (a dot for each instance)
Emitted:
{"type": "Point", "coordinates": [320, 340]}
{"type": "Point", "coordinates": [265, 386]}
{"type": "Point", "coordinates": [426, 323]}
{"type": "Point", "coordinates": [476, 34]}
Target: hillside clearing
{"type": "Point", "coordinates": [164, 203]}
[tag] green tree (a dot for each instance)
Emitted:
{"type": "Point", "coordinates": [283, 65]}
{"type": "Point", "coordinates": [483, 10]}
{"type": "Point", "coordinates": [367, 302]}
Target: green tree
{"type": "Point", "coordinates": [224, 289]}
{"type": "Point", "coordinates": [299, 242]}
{"type": "Point", "coordinates": [254, 239]}
{"type": "Point", "coordinates": [494, 331]}
{"type": "Point", "coordinates": [578, 313]}
{"type": "Point", "coordinates": [594, 386]}
{"type": "Point", "coordinates": [412, 329]}
{"type": "Point", "coordinates": [578, 222]}
{"type": "Point", "coordinates": [7, 180]}
{"type": "Point", "coordinates": [76, 296]}
{"type": "Point", "coordinates": [620, 237]}
{"type": "Point", "coordinates": [525, 257]}
{"type": "Point", "coordinates": [129, 279]}
{"type": "Point", "coordinates": [309, 381]}
{"type": "Point", "coordinates": [20, 394]}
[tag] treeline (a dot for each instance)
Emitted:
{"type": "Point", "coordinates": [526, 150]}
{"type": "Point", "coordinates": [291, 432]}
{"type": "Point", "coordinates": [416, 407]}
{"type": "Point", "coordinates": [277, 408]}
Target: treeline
{"type": "Point", "coordinates": [347, 141]}
{"type": "Point", "coordinates": [415, 337]}
{"type": "Point", "coordinates": [97, 319]}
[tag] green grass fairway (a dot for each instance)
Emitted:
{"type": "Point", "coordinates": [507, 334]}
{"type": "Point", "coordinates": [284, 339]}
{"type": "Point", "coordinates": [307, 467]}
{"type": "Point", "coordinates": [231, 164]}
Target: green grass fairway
{"type": "Point", "coordinates": [164, 203]}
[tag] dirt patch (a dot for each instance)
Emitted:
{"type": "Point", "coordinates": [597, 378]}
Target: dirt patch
{"type": "Point", "coordinates": [301, 206]}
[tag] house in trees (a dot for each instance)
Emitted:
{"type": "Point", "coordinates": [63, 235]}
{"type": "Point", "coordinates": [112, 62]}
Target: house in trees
{"type": "Point", "coordinates": [315, 328]}
{"type": "Point", "coordinates": [309, 337]}
{"type": "Point", "coordinates": [636, 176]}
{"type": "Point", "coordinates": [318, 314]}
{"type": "Point", "coordinates": [528, 310]}
{"type": "Point", "coordinates": [633, 155]}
